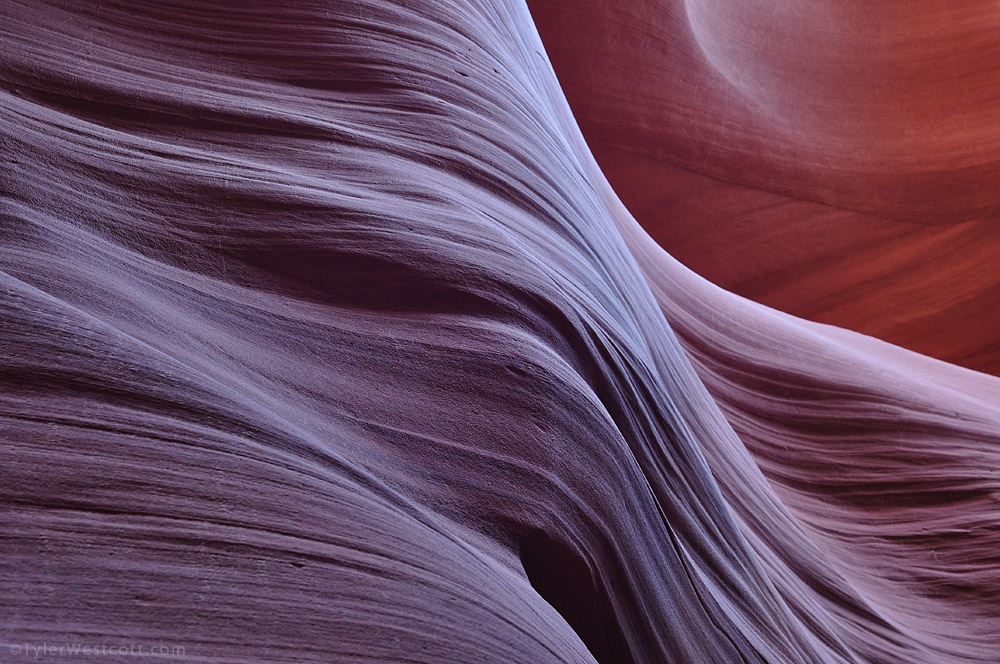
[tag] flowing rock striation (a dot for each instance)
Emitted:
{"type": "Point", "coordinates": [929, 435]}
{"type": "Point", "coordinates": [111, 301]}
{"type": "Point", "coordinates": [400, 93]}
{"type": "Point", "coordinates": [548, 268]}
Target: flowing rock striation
{"type": "Point", "coordinates": [855, 147]}
{"type": "Point", "coordinates": [325, 339]}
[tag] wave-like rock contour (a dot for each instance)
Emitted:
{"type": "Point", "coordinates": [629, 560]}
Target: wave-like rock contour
{"type": "Point", "coordinates": [853, 147]}
{"type": "Point", "coordinates": [325, 339]}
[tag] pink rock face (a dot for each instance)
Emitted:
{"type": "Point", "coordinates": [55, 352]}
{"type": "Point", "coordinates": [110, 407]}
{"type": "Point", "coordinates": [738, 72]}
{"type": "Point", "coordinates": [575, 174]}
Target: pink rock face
{"type": "Point", "coordinates": [853, 147]}
{"type": "Point", "coordinates": [324, 338]}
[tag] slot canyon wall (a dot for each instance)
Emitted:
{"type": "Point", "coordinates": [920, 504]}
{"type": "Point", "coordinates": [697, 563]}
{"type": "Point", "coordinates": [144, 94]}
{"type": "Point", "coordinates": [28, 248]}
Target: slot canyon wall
{"type": "Point", "coordinates": [325, 338]}
{"type": "Point", "coordinates": [854, 147]}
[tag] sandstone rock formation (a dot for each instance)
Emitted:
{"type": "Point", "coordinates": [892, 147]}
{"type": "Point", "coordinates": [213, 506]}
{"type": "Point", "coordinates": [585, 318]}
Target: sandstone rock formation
{"type": "Point", "coordinates": [854, 147]}
{"type": "Point", "coordinates": [324, 338]}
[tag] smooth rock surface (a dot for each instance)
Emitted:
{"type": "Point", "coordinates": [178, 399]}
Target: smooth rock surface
{"type": "Point", "coordinates": [323, 338]}
{"type": "Point", "coordinates": [854, 147]}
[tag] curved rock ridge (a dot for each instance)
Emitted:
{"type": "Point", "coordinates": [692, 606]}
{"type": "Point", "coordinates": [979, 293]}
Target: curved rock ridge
{"type": "Point", "coordinates": [854, 146]}
{"type": "Point", "coordinates": [886, 109]}
{"type": "Point", "coordinates": [324, 338]}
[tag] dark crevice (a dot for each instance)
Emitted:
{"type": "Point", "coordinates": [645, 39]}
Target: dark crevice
{"type": "Point", "coordinates": [564, 579]}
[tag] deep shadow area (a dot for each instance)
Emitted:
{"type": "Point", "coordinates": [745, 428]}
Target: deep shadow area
{"type": "Point", "coordinates": [561, 575]}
